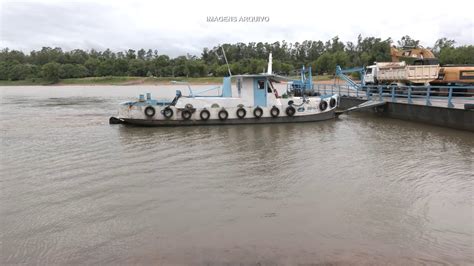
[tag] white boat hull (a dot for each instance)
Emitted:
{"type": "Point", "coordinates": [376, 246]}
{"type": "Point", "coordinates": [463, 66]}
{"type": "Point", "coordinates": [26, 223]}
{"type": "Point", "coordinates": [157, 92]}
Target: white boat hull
{"type": "Point", "coordinates": [236, 121]}
{"type": "Point", "coordinates": [308, 111]}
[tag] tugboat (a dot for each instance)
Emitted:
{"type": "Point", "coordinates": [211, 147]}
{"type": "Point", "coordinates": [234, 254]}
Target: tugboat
{"type": "Point", "coordinates": [253, 100]}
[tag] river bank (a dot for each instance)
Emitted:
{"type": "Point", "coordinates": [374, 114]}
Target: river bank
{"type": "Point", "coordinates": [124, 80]}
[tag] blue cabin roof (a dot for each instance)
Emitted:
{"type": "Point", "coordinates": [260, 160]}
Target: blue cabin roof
{"type": "Point", "coordinates": [272, 77]}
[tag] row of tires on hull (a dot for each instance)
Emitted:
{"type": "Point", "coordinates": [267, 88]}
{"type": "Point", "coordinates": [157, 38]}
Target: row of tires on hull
{"type": "Point", "coordinates": [240, 113]}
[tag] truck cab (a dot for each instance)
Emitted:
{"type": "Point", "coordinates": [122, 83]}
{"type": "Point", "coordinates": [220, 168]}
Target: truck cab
{"type": "Point", "coordinates": [370, 74]}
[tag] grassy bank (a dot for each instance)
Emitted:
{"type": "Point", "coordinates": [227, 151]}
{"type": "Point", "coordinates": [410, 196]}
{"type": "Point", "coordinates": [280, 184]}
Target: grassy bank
{"type": "Point", "coordinates": [112, 80]}
{"type": "Point", "coordinates": [137, 80]}
{"type": "Point", "coordinates": [26, 82]}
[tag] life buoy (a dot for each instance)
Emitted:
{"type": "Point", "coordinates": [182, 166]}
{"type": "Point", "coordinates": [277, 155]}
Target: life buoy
{"type": "Point", "coordinates": [332, 102]}
{"type": "Point", "coordinates": [223, 114]}
{"type": "Point", "coordinates": [275, 112]}
{"type": "Point", "coordinates": [205, 114]}
{"type": "Point", "coordinates": [167, 112]}
{"type": "Point", "coordinates": [323, 105]}
{"type": "Point", "coordinates": [186, 114]}
{"type": "Point", "coordinates": [150, 111]}
{"type": "Point", "coordinates": [290, 111]}
{"type": "Point", "coordinates": [258, 112]}
{"type": "Point", "coordinates": [241, 112]}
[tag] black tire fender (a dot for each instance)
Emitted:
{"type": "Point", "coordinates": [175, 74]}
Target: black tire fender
{"type": "Point", "coordinates": [205, 115]}
{"type": "Point", "coordinates": [290, 111]}
{"type": "Point", "coordinates": [186, 114]}
{"type": "Point", "coordinates": [323, 105]}
{"type": "Point", "coordinates": [223, 114]}
{"type": "Point", "coordinates": [332, 103]}
{"type": "Point", "coordinates": [241, 112]}
{"type": "Point", "coordinates": [258, 112]}
{"type": "Point", "coordinates": [150, 111]}
{"type": "Point", "coordinates": [274, 112]}
{"type": "Point", "coordinates": [167, 112]}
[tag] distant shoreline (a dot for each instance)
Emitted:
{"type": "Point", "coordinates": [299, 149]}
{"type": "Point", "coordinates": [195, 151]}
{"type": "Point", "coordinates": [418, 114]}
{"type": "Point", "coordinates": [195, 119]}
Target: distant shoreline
{"type": "Point", "coordinates": [129, 81]}
{"type": "Point", "coordinates": [113, 81]}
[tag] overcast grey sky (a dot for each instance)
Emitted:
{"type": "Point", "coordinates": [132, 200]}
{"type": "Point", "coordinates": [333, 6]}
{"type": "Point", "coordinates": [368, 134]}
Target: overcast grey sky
{"type": "Point", "coordinates": [176, 27]}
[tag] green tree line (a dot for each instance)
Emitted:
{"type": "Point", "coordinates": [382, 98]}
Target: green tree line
{"type": "Point", "coordinates": [53, 64]}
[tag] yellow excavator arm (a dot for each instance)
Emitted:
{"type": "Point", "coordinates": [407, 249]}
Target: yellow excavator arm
{"type": "Point", "coordinates": [416, 53]}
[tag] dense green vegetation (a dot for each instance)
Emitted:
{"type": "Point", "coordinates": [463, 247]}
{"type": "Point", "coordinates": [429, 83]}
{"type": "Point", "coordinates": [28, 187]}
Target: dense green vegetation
{"type": "Point", "coordinates": [53, 64]}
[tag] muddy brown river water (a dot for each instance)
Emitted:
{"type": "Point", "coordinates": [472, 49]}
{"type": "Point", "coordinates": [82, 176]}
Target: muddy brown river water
{"type": "Point", "coordinates": [356, 190]}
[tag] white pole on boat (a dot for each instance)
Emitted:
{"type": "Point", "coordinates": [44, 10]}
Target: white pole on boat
{"type": "Point", "coordinates": [270, 62]}
{"type": "Point", "coordinates": [225, 57]}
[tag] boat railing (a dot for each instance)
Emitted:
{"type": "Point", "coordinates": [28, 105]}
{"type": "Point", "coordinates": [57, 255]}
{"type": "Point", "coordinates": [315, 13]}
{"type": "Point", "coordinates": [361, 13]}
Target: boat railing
{"type": "Point", "coordinates": [445, 96]}
{"type": "Point", "coordinates": [193, 94]}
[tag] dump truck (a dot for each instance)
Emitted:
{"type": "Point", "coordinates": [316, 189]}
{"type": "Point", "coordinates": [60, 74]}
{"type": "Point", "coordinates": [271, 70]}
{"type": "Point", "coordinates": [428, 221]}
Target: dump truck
{"type": "Point", "coordinates": [400, 72]}
{"type": "Point", "coordinates": [447, 74]}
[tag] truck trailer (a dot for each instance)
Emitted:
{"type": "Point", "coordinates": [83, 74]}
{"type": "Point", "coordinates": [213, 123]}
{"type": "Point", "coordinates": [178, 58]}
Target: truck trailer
{"type": "Point", "coordinates": [400, 72]}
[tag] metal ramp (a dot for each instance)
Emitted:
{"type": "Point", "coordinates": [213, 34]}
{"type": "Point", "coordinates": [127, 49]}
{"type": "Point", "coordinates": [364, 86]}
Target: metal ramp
{"type": "Point", "coordinates": [364, 105]}
{"type": "Point", "coordinates": [341, 73]}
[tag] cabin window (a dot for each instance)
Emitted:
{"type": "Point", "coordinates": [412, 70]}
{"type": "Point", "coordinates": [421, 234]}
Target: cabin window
{"type": "Point", "coordinates": [369, 71]}
{"type": "Point", "coordinates": [261, 84]}
{"type": "Point", "coordinates": [239, 85]}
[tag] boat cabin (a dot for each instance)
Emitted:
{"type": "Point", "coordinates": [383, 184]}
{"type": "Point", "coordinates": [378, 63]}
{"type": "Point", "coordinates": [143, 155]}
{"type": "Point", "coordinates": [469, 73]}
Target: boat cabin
{"type": "Point", "coordinates": [247, 90]}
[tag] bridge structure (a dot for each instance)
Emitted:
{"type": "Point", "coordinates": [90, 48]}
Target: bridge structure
{"type": "Point", "coordinates": [450, 106]}
{"type": "Point", "coordinates": [459, 97]}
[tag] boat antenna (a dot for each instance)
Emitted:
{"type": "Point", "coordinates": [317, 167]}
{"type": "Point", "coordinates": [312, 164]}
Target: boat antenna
{"type": "Point", "coordinates": [225, 57]}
